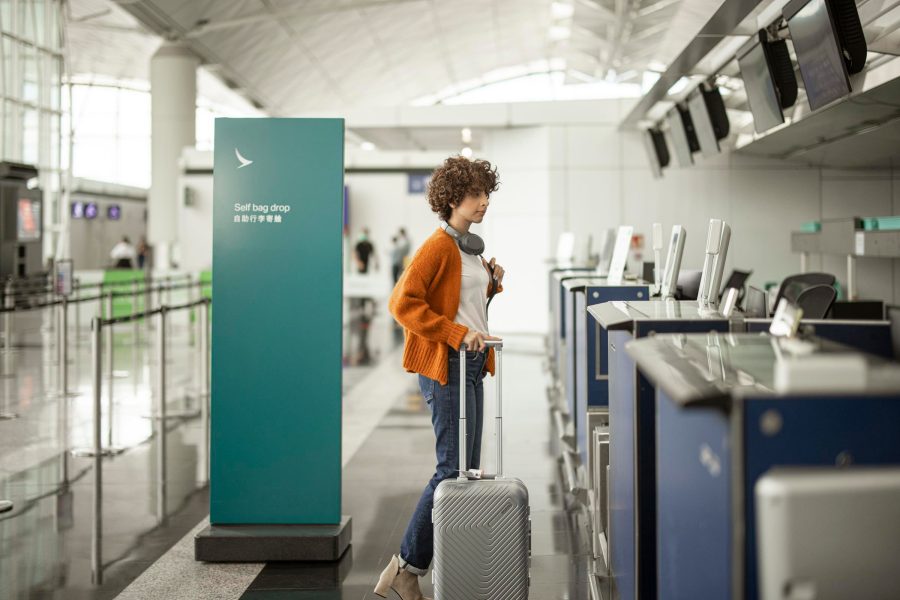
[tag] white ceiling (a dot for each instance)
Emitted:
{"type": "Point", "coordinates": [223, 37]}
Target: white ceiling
{"type": "Point", "coordinates": [296, 56]}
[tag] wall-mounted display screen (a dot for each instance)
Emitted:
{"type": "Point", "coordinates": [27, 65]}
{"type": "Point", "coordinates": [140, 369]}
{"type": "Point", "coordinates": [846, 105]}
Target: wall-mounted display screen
{"type": "Point", "coordinates": [760, 87]}
{"type": "Point", "coordinates": [29, 221]}
{"type": "Point", "coordinates": [113, 212]}
{"type": "Point", "coordinates": [679, 139]}
{"type": "Point", "coordinates": [818, 53]}
{"type": "Point", "coordinates": [77, 210]}
{"type": "Point", "coordinates": [657, 151]}
{"type": "Point", "coordinates": [91, 210]}
{"type": "Point", "coordinates": [709, 145]}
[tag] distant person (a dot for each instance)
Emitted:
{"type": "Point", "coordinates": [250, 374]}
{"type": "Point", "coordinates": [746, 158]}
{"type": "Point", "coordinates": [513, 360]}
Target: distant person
{"type": "Point", "coordinates": [123, 254]}
{"type": "Point", "coordinates": [397, 256]}
{"type": "Point", "coordinates": [404, 242]}
{"type": "Point", "coordinates": [399, 252]}
{"type": "Point", "coordinates": [365, 251]}
{"type": "Point", "coordinates": [143, 252]}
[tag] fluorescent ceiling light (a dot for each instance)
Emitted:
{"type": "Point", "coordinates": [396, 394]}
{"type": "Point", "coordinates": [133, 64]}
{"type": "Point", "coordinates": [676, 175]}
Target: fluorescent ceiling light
{"type": "Point", "coordinates": [678, 86]}
{"type": "Point", "coordinates": [562, 10]}
{"type": "Point", "coordinates": [467, 152]}
{"type": "Point", "coordinates": [368, 146]}
{"type": "Point", "coordinates": [466, 135]}
{"type": "Point", "coordinates": [558, 33]}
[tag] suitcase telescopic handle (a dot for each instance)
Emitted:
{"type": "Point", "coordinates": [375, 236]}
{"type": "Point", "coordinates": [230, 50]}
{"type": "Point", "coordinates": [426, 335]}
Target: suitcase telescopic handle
{"type": "Point", "coordinates": [497, 345]}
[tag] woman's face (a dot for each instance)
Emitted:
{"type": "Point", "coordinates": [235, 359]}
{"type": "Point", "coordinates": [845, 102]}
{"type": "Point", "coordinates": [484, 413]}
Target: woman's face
{"type": "Point", "coordinates": [473, 207]}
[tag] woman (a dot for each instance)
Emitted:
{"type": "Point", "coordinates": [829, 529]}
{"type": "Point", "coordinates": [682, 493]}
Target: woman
{"type": "Point", "coordinates": [441, 302]}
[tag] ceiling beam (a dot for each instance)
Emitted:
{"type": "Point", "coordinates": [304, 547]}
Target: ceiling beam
{"type": "Point", "coordinates": [209, 25]}
{"type": "Point", "coordinates": [722, 23]}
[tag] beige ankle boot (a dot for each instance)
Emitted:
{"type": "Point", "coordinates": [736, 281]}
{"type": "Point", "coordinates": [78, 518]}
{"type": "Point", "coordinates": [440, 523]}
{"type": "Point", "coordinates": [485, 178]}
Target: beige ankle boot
{"type": "Point", "coordinates": [404, 583]}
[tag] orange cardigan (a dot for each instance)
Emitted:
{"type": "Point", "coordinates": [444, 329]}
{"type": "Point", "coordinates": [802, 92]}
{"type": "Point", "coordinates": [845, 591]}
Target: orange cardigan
{"type": "Point", "coordinates": [425, 301]}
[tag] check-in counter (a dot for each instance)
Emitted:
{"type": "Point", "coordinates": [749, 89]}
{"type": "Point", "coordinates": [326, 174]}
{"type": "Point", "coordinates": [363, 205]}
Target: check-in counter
{"type": "Point", "coordinates": [631, 494]}
{"type": "Point", "coordinates": [557, 303]}
{"type": "Point", "coordinates": [731, 407]}
{"type": "Point", "coordinates": [873, 337]}
{"type": "Point", "coordinates": [586, 371]}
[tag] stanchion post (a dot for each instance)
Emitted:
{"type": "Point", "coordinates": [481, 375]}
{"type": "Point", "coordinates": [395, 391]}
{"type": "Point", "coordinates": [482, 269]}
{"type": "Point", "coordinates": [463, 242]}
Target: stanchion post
{"type": "Point", "coordinates": [109, 369]}
{"type": "Point", "coordinates": [161, 421]}
{"type": "Point", "coordinates": [97, 376]}
{"type": "Point", "coordinates": [192, 296]}
{"type": "Point", "coordinates": [134, 309]}
{"type": "Point", "coordinates": [64, 348]}
{"type": "Point", "coordinates": [76, 290]}
{"type": "Point", "coordinates": [160, 289]}
{"type": "Point", "coordinates": [8, 303]}
{"type": "Point", "coordinates": [204, 379]}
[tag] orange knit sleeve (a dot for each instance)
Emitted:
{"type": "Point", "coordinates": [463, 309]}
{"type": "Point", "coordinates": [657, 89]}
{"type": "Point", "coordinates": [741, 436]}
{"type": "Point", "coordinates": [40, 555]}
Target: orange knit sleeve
{"type": "Point", "coordinates": [410, 308]}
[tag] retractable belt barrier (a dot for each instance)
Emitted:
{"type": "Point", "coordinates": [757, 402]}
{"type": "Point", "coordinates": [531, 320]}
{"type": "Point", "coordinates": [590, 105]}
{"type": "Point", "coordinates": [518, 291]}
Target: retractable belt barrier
{"type": "Point", "coordinates": [97, 451]}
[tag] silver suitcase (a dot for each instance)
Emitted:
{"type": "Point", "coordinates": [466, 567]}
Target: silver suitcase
{"type": "Point", "coordinates": [482, 527]}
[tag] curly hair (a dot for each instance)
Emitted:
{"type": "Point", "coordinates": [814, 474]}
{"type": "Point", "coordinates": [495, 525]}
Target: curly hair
{"type": "Point", "coordinates": [457, 178]}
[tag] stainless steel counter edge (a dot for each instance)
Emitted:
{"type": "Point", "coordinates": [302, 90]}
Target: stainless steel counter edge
{"type": "Point", "coordinates": [685, 388]}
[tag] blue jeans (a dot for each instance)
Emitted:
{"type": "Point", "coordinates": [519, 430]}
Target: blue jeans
{"type": "Point", "coordinates": [417, 549]}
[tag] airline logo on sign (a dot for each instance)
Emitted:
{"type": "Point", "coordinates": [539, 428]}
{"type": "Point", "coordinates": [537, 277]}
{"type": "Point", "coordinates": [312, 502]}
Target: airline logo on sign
{"type": "Point", "coordinates": [244, 162]}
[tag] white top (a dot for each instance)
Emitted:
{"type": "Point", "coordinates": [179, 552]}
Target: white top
{"type": "Point", "coordinates": [122, 250]}
{"type": "Point", "coordinates": [473, 294]}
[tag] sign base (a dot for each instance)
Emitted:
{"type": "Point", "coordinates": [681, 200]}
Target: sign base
{"type": "Point", "coordinates": [265, 543]}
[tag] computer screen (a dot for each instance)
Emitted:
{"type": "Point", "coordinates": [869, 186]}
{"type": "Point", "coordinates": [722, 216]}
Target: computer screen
{"type": "Point", "coordinates": [737, 279]}
{"type": "Point", "coordinates": [709, 145]}
{"type": "Point", "coordinates": [760, 87]}
{"type": "Point", "coordinates": [818, 52]}
{"type": "Point", "coordinates": [29, 220]}
{"type": "Point", "coordinates": [657, 152]}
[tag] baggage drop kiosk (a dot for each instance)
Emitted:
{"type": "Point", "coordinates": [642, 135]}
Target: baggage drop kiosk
{"type": "Point", "coordinates": [558, 315]}
{"type": "Point", "coordinates": [630, 493]}
{"type": "Point", "coordinates": [275, 481]}
{"type": "Point", "coordinates": [583, 370]}
{"type": "Point", "coordinates": [731, 407]}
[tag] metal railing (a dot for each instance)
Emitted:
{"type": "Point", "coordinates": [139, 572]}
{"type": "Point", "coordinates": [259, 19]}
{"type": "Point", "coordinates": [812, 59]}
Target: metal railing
{"type": "Point", "coordinates": [99, 326]}
{"type": "Point", "coordinates": [97, 451]}
{"type": "Point", "coordinates": [23, 288]}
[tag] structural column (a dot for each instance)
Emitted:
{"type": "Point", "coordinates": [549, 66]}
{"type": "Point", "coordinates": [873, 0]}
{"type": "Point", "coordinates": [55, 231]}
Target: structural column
{"type": "Point", "coordinates": [173, 87]}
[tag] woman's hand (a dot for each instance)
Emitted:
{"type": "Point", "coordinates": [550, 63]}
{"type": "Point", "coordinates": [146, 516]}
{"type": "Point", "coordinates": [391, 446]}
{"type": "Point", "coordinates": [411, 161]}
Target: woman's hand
{"type": "Point", "coordinates": [496, 271]}
{"type": "Point", "coordinates": [474, 340]}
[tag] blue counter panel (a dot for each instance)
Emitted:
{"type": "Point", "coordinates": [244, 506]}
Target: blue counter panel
{"type": "Point", "coordinates": [814, 432]}
{"type": "Point", "coordinates": [694, 502]}
{"type": "Point", "coordinates": [590, 387]}
{"type": "Point", "coordinates": [621, 460]}
{"type": "Point", "coordinates": [632, 402]}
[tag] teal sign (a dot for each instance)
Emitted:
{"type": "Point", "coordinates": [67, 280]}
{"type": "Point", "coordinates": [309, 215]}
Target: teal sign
{"type": "Point", "coordinates": [276, 327]}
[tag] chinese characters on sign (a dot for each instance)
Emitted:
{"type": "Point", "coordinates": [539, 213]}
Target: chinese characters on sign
{"type": "Point", "coordinates": [260, 213]}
